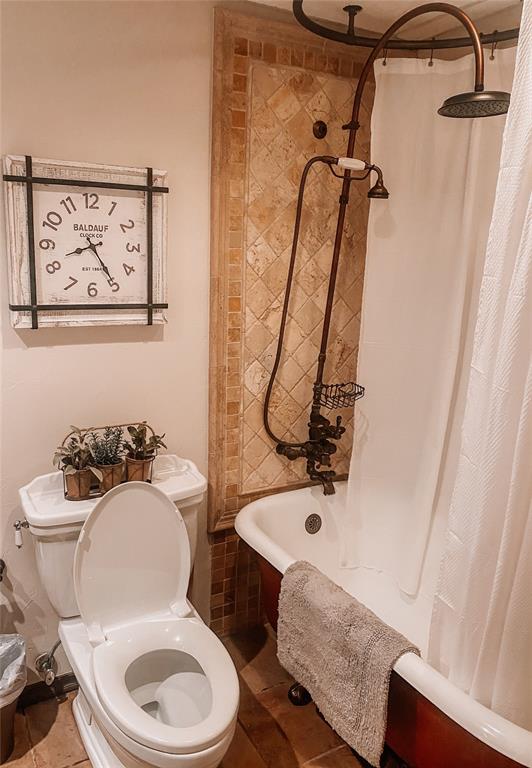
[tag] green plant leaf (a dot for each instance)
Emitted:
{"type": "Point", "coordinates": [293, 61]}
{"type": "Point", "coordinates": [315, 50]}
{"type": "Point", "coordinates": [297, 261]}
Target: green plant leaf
{"type": "Point", "coordinates": [95, 471]}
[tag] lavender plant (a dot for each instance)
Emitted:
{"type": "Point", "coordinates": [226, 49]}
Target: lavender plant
{"type": "Point", "coordinates": [107, 447]}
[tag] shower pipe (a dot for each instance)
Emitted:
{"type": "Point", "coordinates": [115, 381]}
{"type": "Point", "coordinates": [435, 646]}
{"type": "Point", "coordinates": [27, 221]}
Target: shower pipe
{"type": "Point", "coordinates": [318, 449]}
{"type": "Point", "coordinates": [313, 449]}
{"type": "Point", "coordinates": [363, 41]}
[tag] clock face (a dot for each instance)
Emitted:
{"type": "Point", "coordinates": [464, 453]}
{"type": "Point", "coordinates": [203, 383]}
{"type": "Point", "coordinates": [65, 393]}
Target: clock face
{"type": "Point", "coordinates": [90, 245]}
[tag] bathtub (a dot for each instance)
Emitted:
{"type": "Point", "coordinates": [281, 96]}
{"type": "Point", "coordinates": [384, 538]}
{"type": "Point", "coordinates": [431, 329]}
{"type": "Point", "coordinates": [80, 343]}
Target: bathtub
{"type": "Point", "coordinates": [431, 723]}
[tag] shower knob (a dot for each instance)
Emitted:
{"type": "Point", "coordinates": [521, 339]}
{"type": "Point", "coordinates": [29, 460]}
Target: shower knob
{"type": "Point", "coordinates": [319, 129]}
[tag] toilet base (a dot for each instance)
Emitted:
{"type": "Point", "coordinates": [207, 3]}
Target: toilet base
{"type": "Point", "coordinates": [98, 750]}
{"type": "Point", "coordinates": [102, 755]}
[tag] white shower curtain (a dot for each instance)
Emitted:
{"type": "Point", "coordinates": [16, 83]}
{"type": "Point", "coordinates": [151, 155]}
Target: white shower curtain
{"type": "Point", "coordinates": [481, 633]}
{"type": "Point", "coordinates": [425, 252]}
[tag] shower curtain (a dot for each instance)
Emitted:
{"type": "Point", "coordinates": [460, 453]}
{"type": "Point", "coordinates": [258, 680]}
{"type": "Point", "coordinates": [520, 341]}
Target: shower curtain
{"type": "Point", "coordinates": [481, 632]}
{"type": "Point", "coordinates": [425, 252]}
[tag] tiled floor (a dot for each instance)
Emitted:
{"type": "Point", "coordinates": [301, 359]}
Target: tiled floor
{"type": "Point", "coordinates": [46, 736]}
{"type": "Point", "coordinates": [271, 732]}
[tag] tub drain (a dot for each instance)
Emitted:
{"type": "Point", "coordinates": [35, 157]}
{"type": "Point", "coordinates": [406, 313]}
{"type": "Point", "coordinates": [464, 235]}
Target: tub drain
{"type": "Point", "coordinates": [313, 523]}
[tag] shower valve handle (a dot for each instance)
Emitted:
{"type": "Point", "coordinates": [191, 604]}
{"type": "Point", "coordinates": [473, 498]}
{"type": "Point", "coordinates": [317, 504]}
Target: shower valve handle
{"type": "Point", "coordinates": [352, 164]}
{"type": "Point", "coordinates": [339, 430]}
{"type": "Point", "coordinates": [291, 452]}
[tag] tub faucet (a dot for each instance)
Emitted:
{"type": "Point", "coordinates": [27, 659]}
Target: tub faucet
{"type": "Point", "coordinates": [318, 449]}
{"type": "Point", "coordinates": [324, 476]}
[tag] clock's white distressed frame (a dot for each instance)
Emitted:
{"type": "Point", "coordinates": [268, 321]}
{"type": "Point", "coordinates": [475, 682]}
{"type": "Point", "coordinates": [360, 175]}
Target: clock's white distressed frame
{"type": "Point", "coordinates": [18, 250]}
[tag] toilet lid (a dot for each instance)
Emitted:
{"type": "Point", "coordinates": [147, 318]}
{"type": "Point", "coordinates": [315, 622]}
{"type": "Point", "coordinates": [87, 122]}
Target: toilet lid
{"type": "Point", "coordinates": [132, 558]}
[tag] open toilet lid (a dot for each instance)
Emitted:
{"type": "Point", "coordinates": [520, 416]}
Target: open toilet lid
{"type": "Point", "coordinates": [132, 558]}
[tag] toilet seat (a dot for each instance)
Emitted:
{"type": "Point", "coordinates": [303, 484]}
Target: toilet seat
{"type": "Point", "coordinates": [132, 559]}
{"type": "Point", "coordinates": [131, 574]}
{"type": "Point", "coordinates": [124, 646]}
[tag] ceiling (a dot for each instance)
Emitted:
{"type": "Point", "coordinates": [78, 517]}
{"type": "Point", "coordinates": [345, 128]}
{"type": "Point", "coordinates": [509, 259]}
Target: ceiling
{"type": "Point", "coordinates": [377, 15]}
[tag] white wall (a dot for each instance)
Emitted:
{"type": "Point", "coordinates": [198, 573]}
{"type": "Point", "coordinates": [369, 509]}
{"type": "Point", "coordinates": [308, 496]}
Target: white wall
{"type": "Point", "coordinates": [125, 83]}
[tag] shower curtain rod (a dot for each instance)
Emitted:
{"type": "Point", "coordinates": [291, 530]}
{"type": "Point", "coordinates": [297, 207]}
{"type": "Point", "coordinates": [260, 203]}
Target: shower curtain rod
{"type": "Point", "coordinates": [351, 38]}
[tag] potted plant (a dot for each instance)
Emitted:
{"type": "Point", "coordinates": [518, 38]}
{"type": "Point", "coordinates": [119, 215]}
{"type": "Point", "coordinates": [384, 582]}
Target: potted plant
{"type": "Point", "coordinates": [141, 450]}
{"type": "Point", "coordinates": [75, 459]}
{"type": "Point", "coordinates": [107, 449]}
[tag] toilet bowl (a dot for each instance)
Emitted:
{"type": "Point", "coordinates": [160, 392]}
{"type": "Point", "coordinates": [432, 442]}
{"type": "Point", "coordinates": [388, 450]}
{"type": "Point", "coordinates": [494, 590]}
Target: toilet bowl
{"type": "Point", "coordinates": [157, 687]}
{"type": "Point", "coordinates": [166, 684]}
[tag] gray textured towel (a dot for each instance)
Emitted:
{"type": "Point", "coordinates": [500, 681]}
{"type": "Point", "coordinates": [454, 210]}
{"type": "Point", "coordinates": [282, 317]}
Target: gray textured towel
{"type": "Point", "coordinates": [341, 653]}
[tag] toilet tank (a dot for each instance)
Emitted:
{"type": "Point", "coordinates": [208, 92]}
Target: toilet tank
{"type": "Point", "coordinates": [55, 522]}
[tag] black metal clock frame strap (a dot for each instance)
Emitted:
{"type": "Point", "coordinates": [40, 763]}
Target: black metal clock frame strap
{"type": "Point", "coordinates": [34, 307]}
{"type": "Point", "coordinates": [149, 237]}
{"type": "Point", "coordinates": [31, 243]}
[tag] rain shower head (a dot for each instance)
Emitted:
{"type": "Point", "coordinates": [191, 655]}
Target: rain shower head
{"type": "Point", "coordinates": [476, 104]}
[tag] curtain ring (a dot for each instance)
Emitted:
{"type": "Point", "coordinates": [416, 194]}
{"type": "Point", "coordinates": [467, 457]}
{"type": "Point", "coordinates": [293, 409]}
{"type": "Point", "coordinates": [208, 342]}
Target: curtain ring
{"type": "Point", "coordinates": [385, 57]}
{"type": "Point", "coordinates": [431, 60]}
{"type": "Point", "coordinates": [493, 47]}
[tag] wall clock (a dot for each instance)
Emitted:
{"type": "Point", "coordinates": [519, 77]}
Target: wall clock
{"type": "Point", "coordinates": [86, 243]}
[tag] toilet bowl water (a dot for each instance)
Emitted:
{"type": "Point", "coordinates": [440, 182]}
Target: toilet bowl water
{"type": "Point", "coordinates": [170, 686]}
{"type": "Point", "coordinates": [183, 699]}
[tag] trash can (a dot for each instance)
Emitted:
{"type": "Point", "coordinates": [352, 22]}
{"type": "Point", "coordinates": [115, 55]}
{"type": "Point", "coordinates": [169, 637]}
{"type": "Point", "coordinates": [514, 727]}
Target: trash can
{"type": "Point", "coordinates": [12, 682]}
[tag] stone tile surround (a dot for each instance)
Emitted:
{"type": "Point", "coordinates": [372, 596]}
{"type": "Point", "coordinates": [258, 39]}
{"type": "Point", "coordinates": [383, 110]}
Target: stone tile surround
{"type": "Point", "coordinates": [272, 79]}
{"type": "Point", "coordinates": [235, 584]}
{"type": "Point", "coordinates": [283, 107]}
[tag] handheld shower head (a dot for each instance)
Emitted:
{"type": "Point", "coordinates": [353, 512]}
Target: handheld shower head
{"type": "Point", "coordinates": [476, 104]}
{"type": "Point", "coordinates": [378, 191]}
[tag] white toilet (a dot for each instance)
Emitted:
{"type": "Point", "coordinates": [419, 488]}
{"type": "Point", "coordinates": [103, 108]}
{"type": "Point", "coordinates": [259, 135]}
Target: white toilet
{"type": "Point", "coordinates": [157, 687]}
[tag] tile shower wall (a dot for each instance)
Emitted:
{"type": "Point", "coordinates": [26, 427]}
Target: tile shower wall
{"type": "Point", "coordinates": [283, 105]}
{"type": "Point", "coordinates": [267, 96]}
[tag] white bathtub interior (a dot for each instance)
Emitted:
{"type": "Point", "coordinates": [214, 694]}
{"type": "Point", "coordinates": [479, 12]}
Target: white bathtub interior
{"type": "Point", "coordinates": [377, 589]}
